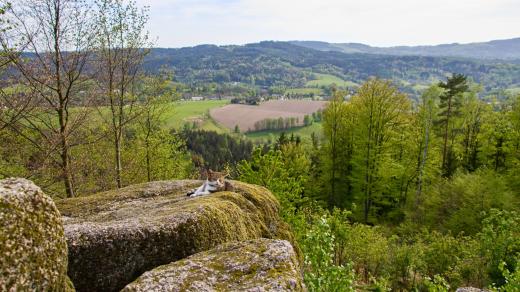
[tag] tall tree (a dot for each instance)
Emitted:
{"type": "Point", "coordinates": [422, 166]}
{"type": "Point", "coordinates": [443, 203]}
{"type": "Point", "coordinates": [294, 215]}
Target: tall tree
{"type": "Point", "coordinates": [450, 105]}
{"type": "Point", "coordinates": [156, 96]}
{"type": "Point", "coordinates": [121, 45]}
{"type": "Point", "coordinates": [334, 127]}
{"type": "Point", "coordinates": [425, 141]}
{"type": "Point", "coordinates": [380, 110]}
{"type": "Point", "coordinates": [472, 115]}
{"type": "Point", "coordinates": [58, 36]}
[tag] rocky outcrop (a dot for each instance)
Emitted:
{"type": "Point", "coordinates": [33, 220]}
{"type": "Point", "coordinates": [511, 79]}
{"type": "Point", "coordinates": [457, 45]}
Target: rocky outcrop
{"type": "Point", "coordinates": [32, 244]}
{"type": "Point", "coordinates": [114, 237]}
{"type": "Point", "coordinates": [256, 265]}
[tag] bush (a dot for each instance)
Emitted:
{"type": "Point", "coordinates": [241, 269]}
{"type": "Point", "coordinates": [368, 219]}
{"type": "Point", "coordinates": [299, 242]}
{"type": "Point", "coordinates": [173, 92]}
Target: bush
{"type": "Point", "coordinates": [500, 243]}
{"type": "Point", "coordinates": [321, 274]}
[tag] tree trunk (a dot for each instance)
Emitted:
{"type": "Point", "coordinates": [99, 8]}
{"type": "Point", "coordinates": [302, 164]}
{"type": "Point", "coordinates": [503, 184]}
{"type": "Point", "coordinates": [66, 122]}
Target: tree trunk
{"type": "Point", "coordinates": [423, 161]}
{"type": "Point", "coordinates": [117, 145]}
{"type": "Point", "coordinates": [445, 148]}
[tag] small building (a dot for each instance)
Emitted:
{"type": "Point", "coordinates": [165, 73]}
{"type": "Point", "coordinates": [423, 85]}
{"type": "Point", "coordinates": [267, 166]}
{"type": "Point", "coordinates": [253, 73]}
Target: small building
{"type": "Point", "coordinates": [197, 98]}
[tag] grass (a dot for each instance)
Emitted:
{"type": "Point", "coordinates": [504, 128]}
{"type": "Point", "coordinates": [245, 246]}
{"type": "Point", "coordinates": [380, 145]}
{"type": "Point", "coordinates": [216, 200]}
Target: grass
{"type": "Point", "coordinates": [303, 132]}
{"type": "Point", "coordinates": [328, 79]}
{"type": "Point", "coordinates": [179, 113]}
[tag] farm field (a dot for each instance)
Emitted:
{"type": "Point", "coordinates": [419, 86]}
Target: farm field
{"type": "Point", "coordinates": [179, 113]}
{"type": "Point", "coordinates": [245, 116]}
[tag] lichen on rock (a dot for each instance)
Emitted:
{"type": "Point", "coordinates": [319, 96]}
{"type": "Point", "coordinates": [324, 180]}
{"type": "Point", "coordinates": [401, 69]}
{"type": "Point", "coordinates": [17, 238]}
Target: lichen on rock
{"type": "Point", "coordinates": [116, 236]}
{"type": "Point", "coordinates": [32, 243]}
{"type": "Point", "coordinates": [255, 265]}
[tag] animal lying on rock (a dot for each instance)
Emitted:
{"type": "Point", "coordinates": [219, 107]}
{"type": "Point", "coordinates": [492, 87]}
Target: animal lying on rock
{"type": "Point", "coordinates": [215, 182]}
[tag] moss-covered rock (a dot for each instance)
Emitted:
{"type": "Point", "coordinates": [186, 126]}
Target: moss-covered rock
{"type": "Point", "coordinates": [33, 250]}
{"type": "Point", "coordinates": [255, 265]}
{"type": "Point", "coordinates": [115, 236]}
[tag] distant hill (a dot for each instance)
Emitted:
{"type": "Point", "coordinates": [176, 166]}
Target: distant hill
{"type": "Point", "coordinates": [284, 64]}
{"type": "Point", "coordinates": [498, 49]}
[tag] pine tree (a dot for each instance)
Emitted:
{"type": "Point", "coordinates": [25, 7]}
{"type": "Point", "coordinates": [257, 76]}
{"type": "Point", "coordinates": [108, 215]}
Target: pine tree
{"type": "Point", "coordinates": [450, 105]}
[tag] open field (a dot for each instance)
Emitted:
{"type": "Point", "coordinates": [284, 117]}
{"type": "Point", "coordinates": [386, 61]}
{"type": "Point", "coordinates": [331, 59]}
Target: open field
{"type": "Point", "coordinates": [245, 116]}
{"type": "Point", "coordinates": [327, 80]}
{"type": "Point", "coordinates": [179, 113]}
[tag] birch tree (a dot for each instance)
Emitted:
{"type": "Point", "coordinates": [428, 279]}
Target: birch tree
{"type": "Point", "coordinates": [121, 45]}
{"type": "Point", "coordinates": [49, 44]}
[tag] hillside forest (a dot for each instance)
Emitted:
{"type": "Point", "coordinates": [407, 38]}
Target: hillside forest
{"type": "Point", "coordinates": [400, 189]}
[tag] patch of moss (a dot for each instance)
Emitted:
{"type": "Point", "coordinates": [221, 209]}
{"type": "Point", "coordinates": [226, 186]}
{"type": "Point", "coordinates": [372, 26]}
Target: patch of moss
{"type": "Point", "coordinates": [260, 264]}
{"type": "Point", "coordinates": [32, 242]}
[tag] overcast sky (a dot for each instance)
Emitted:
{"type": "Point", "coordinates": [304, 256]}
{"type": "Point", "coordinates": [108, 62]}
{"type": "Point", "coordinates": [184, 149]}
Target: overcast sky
{"type": "Point", "coordinates": [179, 23]}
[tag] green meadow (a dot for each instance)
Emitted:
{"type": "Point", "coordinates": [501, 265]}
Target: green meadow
{"type": "Point", "coordinates": [327, 80]}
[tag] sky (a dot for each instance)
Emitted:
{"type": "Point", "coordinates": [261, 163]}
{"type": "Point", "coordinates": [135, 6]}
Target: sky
{"type": "Point", "coordinates": [181, 23]}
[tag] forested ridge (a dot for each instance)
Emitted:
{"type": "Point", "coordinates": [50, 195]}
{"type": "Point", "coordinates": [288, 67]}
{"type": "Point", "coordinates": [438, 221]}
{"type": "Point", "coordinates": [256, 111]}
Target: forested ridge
{"type": "Point", "coordinates": [272, 64]}
{"type": "Point", "coordinates": [396, 192]}
{"type": "Point", "coordinates": [507, 49]}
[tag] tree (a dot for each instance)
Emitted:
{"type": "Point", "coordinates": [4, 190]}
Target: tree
{"type": "Point", "coordinates": [283, 171]}
{"type": "Point", "coordinates": [156, 96]}
{"type": "Point", "coordinates": [121, 42]}
{"type": "Point", "coordinates": [450, 106]}
{"type": "Point", "coordinates": [425, 120]}
{"type": "Point", "coordinates": [379, 110]}
{"type": "Point", "coordinates": [58, 34]}
{"type": "Point", "coordinates": [472, 114]}
{"type": "Point", "coordinates": [334, 128]}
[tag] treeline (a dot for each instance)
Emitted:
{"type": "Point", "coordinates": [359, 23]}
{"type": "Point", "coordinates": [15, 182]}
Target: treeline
{"type": "Point", "coordinates": [277, 124]}
{"type": "Point", "coordinates": [287, 123]}
{"type": "Point", "coordinates": [210, 150]}
{"type": "Point", "coordinates": [404, 196]}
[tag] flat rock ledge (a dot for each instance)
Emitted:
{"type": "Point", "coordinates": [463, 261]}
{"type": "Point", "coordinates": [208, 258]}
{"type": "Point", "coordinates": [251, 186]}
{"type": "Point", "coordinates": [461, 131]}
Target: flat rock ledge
{"type": "Point", "coordinates": [255, 265]}
{"type": "Point", "coordinates": [114, 237]}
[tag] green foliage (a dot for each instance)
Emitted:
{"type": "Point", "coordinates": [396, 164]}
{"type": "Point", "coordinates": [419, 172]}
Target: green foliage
{"type": "Point", "coordinates": [321, 274]}
{"type": "Point", "coordinates": [500, 242]}
{"type": "Point", "coordinates": [457, 204]}
{"type": "Point", "coordinates": [277, 124]}
{"type": "Point", "coordinates": [511, 279]}
{"type": "Point", "coordinates": [437, 284]}
{"type": "Point", "coordinates": [212, 150]}
{"type": "Point", "coordinates": [283, 171]}
{"type": "Point", "coordinates": [450, 105]}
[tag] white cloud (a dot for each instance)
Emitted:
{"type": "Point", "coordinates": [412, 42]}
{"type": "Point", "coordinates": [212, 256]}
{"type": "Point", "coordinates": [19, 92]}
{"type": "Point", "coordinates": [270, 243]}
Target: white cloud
{"type": "Point", "coordinates": [376, 22]}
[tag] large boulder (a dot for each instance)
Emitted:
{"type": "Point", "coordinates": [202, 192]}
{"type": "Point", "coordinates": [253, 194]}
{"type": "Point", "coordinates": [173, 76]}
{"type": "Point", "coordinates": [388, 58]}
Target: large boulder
{"type": "Point", "coordinates": [32, 244]}
{"type": "Point", "coordinates": [256, 265]}
{"type": "Point", "coordinates": [116, 236]}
